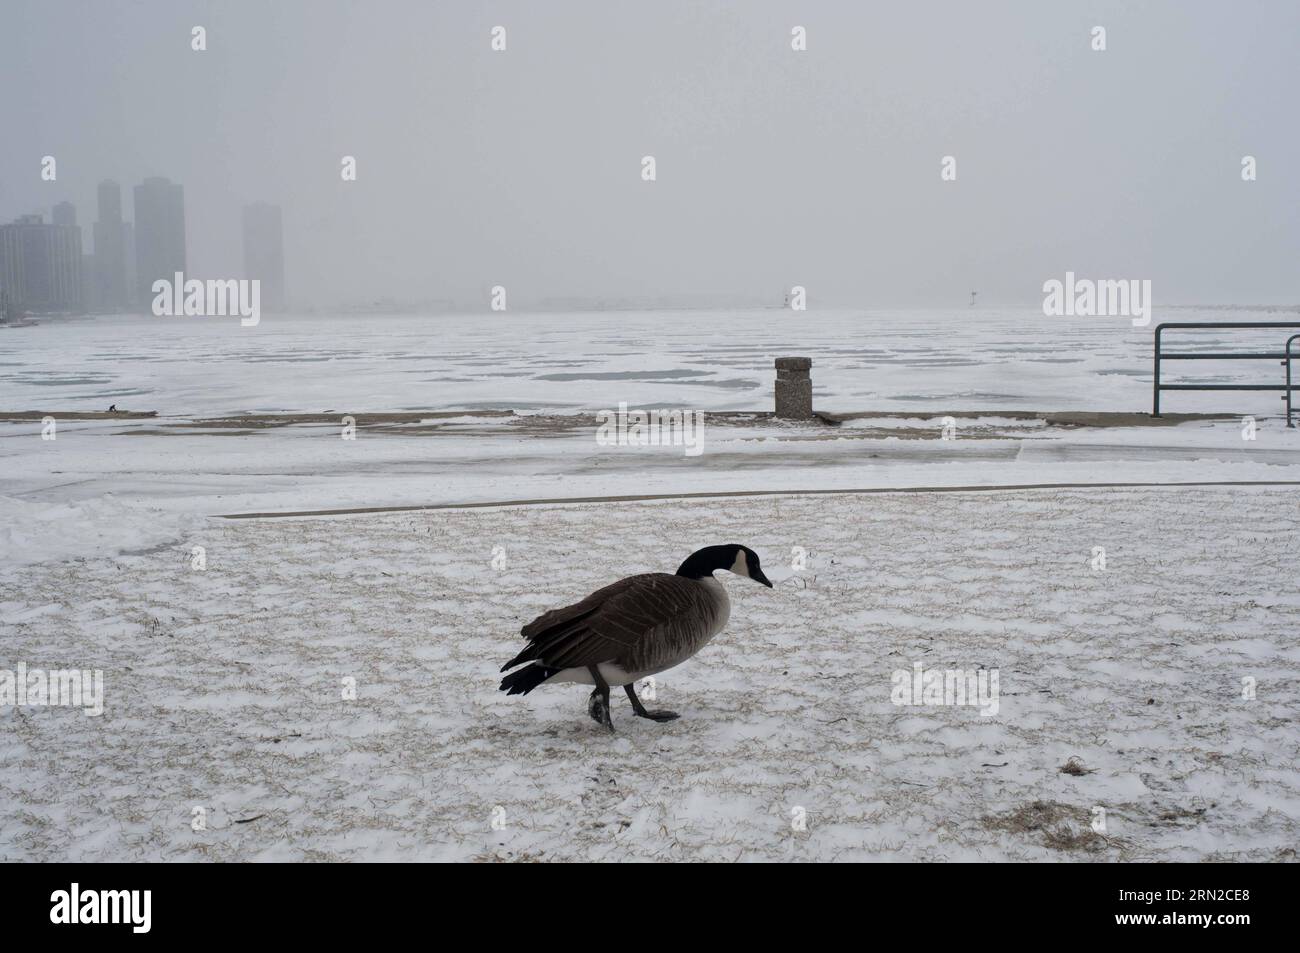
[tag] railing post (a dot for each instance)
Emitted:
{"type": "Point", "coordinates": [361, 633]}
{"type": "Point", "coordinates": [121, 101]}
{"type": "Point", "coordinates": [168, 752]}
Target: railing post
{"type": "Point", "coordinates": [1155, 394]}
{"type": "Point", "coordinates": [1287, 362]}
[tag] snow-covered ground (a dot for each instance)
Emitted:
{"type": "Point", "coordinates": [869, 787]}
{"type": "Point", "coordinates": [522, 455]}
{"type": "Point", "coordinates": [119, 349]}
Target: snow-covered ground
{"type": "Point", "coordinates": [223, 687]}
{"type": "Point", "coordinates": [98, 489]}
{"type": "Point", "coordinates": [103, 486]}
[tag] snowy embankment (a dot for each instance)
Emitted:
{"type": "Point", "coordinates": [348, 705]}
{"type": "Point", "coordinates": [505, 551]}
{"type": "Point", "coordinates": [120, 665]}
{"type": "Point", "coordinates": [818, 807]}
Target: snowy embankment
{"type": "Point", "coordinates": [223, 687]}
{"type": "Point", "coordinates": [35, 532]}
{"type": "Point", "coordinates": [109, 486]}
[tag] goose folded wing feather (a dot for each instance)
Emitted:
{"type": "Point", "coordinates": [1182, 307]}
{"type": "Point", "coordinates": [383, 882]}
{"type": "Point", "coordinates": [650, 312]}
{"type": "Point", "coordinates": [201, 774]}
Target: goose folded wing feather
{"type": "Point", "coordinates": [635, 624]}
{"type": "Point", "coordinates": [553, 617]}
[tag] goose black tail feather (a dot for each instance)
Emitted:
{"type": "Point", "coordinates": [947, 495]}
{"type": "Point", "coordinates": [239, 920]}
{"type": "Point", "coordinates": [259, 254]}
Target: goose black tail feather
{"type": "Point", "coordinates": [524, 680]}
{"type": "Point", "coordinates": [544, 643]}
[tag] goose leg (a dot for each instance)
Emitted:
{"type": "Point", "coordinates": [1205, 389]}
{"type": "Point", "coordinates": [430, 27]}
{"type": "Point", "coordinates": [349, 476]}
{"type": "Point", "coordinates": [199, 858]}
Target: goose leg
{"type": "Point", "coordinates": [593, 705]}
{"type": "Point", "coordinates": [659, 714]}
{"type": "Point", "coordinates": [598, 703]}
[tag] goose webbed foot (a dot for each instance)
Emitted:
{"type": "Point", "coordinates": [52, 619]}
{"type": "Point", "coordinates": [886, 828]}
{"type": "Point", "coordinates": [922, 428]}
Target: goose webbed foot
{"type": "Point", "coordinates": [658, 714]}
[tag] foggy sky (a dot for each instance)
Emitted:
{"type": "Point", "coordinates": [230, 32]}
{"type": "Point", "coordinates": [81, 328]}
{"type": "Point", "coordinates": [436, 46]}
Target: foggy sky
{"type": "Point", "coordinates": [775, 168]}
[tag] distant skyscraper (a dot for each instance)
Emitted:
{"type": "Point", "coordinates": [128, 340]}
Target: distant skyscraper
{"type": "Point", "coordinates": [128, 253]}
{"type": "Point", "coordinates": [159, 235]}
{"type": "Point", "coordinates": [110, 254]}
{"type": "Point", "coordinates": [65, 213]}
{"type": "Point", "coordinates": [40, 265]}
{"type": "Point", "coordinates": [264, 252]}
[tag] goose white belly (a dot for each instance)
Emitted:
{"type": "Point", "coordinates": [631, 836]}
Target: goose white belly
{"type": "Point", "coordinates": [615, 676]}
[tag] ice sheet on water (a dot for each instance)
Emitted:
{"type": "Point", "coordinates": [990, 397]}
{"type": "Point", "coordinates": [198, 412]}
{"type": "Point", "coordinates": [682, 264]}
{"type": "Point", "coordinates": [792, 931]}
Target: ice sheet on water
{"type": "Point", "coordinates": [954, 360]}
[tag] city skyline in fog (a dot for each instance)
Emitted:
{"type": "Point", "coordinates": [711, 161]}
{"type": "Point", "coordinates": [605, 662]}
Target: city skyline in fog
{"type": "Point", "coordinates": [774, 168]}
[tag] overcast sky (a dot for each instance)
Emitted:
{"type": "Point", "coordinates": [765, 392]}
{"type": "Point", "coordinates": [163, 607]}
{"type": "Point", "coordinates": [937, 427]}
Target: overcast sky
{"type": "Point", "coordinates": [775, 168]}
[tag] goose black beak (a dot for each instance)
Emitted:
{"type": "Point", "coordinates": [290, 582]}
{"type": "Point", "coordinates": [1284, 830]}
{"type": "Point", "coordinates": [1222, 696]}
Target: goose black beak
{"type": "Point", "coordinates": [759, 577]}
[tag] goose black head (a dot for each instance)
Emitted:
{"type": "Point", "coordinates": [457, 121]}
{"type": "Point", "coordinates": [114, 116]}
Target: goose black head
{"type": "Point", "coordinates": [732, 557]}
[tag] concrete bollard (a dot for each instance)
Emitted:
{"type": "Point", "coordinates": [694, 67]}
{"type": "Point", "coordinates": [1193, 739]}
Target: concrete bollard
{"type": "Point", "coordinates": [794, 388]}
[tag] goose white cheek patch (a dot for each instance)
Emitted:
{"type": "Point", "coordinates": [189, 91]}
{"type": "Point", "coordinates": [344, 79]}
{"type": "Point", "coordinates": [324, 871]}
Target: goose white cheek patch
{"type": "Point", "coordinates": [741, 566]}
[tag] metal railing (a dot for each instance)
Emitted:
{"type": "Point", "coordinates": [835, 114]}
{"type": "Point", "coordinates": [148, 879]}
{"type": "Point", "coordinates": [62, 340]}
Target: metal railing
{"type": "Point", "coordinates": [1289, 388]}
{"type": "Point", "coordinates": [1161, 355]}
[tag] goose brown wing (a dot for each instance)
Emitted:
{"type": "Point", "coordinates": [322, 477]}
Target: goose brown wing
{"type": "Point", "coordinates": [556, 626]}
{"type": "Point", "coordinates": [553, 618]}
{"type": "Point", "coordinates": [636, 622]}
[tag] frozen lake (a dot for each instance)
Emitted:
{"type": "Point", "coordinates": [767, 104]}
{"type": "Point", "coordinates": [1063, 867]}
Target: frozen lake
{"type": "Point", "coordinates": [714, 360]}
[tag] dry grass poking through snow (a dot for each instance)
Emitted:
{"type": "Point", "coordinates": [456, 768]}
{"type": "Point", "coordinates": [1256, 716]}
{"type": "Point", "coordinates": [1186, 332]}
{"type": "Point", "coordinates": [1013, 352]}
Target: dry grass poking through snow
{"type": "Point", "coordinates": [223, 687]}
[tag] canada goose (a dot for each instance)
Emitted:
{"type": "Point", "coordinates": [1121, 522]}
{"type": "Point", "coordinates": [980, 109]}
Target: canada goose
{"type": "Point", "coordinates": [635, 627]}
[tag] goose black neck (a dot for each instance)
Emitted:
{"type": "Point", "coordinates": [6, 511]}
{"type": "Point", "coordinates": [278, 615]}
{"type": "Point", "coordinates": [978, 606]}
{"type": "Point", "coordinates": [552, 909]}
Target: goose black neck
{"type": "Point", "coordinates": [704, 562]}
